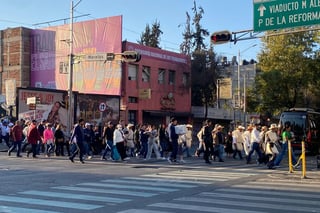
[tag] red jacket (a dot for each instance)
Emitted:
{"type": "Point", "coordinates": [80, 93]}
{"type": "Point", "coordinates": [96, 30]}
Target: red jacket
{"type": "Point", "coordinates": [33, 134]}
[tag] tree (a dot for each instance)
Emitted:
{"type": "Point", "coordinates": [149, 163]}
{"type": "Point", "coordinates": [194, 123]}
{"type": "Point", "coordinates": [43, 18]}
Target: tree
{"type": "Point", "coordinates": [185, 47]}
{"type": "Point", "coordinates": [151, 36]}
{"type": "Point", "coordinates": [203, 64]}
{"type": "Point", "coordinates": [287, 64]}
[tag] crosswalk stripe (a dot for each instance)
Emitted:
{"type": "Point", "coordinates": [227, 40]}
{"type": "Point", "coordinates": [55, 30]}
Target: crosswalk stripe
{"type": "Point", "coordinates": [279, 186]}
{"type": "Point", "coordinates": [44, 202]}
{"type": "Point", "coordinates": [204, 177]}
{"type": "Point", "coordinates": [257, 198]}
{"type": "Point", "coordinates": [10, 209]}
{"type": "Point", "coordinates": [141, 211]}
{"type": "Point", "coordinates": [236, 203]}
{"type": "Point", "coordinates": [159, 189]}
{"type": "Point", "coordinates": [263, 192]}
{"type": "Point", "coordinates": [201, 208]}
{"type": "Point", "coordinates": [104, 191]}
{"type": "Point", "coordinates": [273, 193]}
{"type": "Point", "coordinates": [74, 196]}
{"type": "Point", "coordinates": [150, 182]}
{"type": "Point", "coordinates": [167, 180]}
{"type": "Point", "coordinates": [206, 180]}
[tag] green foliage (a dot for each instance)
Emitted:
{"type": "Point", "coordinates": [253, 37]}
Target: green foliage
{"type": "Point", "coordinates": [289, 73]}
{"type": "Point", "coordinates": [151, 36]}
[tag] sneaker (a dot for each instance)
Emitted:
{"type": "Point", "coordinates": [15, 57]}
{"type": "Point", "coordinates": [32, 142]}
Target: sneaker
{"type": "Point", "coordinates": [126, 158]}
{"type": "Point", "coordinates": [71, 159]}
{"type": "Point", "coordinates": [89, 157]}
{"type": "Point", "coordinates": [102, 158]}
{"type": "Point", "coordinates": [169, 160]}
{"type": "Point", "coordinates": [182, 161]}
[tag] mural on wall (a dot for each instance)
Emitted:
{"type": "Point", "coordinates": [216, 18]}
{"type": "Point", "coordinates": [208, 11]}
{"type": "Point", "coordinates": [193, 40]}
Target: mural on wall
{"type": "Point", "coordinates": [50, 50]}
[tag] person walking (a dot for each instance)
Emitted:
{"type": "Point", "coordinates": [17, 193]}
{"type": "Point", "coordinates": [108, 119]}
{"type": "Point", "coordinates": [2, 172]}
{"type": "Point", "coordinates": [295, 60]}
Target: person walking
{"type": "Point", "coordinates": [130, 139]}
{"type": "Point", "coordinates": [255, 144]}
{"type": "Point", "coordinates": [77, 138]}
{"type": "Point", "coordinates": [88, 140]}
{"type": "Point", "coordinates": [163, 140]}
{"type": "Point", "coordinates": [118, 140]}
{"type": "Point", "coordinates": [33, 137]}
{"type": "Point", "coordinates": [143, 142]}
{"type": "Point", "coordinates": [5, 133]}
{"type": "Point", "coordinates": [238, 140]}
{"type": "Point", "coordinates": [188, 140]}
{"type": "Point", "coordinates": [108, 137]}
{"type": "Point", "coordinates": [152, 143]}
{"type": "Point", "coordinates": [59, 140]}
{"type": "Point", "coordinates": [286, 137]}
{"type": "Point", "coordinates": [174, 140]}
{"type": "Point", "coordinates": [208, 141]}
{"type": "Point", "coordinates": [218, 142]}
{"type": "Point", "coordinates": [48, 139]}
{"type": "Point", "coordinates": [17, 136]}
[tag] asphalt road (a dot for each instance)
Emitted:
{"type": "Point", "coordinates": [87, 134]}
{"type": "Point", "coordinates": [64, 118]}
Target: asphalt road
{"type": "Point", "coordinates": [55, 184]}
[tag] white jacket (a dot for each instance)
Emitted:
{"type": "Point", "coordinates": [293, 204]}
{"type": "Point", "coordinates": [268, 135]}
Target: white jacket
{"type": "Point", "coordinates": [117, 136]}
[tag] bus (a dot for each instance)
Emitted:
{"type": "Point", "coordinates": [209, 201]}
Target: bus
{"type": "Point", "coordinates": [305, 125]}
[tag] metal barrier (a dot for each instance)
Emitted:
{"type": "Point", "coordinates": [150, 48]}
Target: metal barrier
{"type": "Point", "coordinates": [301, 159]}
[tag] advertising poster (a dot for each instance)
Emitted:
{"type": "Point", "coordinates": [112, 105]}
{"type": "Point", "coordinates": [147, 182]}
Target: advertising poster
{"type": "Point", "coordinates": [52, 107]}
{"type": "Point", "coordinates": [50, 56]}
{"type": "Point", "coordinates": [98, 109]}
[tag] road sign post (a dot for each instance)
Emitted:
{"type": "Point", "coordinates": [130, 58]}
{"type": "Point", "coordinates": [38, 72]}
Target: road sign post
{"type": "Point", "coordinates": [280, 14]}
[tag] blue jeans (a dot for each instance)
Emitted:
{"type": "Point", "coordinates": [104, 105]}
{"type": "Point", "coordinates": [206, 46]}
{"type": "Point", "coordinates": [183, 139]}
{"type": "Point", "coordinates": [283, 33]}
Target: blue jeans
{"type": "Point", "coordinates": [16, 144]}
{"type": "Point", "coordinates": [108, 148]}
{"type": "Point", "coordinates": [255, 147]}
{"type": "Point", "coordinates": [49, 148]}
{"type": "Point", "coordinates": [144, 149]}
{"type": "Point", "coordinates": [284, 150]}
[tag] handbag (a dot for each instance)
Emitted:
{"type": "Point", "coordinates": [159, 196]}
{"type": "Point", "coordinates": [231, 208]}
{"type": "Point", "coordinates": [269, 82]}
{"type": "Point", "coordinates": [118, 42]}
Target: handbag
{"type": "Point", "coordinates": [115, 153]}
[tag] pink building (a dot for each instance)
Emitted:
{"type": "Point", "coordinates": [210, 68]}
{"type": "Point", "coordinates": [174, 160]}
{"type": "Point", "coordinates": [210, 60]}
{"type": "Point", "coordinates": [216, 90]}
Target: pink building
{"type": "Point", "coordinates": [157, 87]}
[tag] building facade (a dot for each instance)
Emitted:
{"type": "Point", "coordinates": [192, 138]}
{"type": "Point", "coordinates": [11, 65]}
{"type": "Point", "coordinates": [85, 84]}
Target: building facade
{"type": "Point", "coordinates": [157, 87]}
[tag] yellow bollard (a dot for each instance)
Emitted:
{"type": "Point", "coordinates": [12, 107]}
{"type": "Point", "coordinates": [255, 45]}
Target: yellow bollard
{"type": "Point", "coordinates": [290, 157]}
{"type": "Point", "coordinates": [303, 156]}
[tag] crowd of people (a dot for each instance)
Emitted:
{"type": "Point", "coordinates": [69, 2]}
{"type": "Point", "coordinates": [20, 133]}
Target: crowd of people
{"type": "Point", "coordinates": [171, 142]}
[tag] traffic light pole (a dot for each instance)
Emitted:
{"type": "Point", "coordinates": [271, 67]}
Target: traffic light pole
{"type": "Point", "coordinates": [70, 81]}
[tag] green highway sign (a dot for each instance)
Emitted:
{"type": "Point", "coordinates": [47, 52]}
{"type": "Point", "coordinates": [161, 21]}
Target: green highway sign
{"type": "Point", "coordinates": [280, 14]}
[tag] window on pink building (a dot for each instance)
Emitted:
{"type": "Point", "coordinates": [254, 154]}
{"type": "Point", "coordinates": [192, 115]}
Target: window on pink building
{"type": "Point", "coordinates": [161, 76]}
{"type": "Point", "coordinates": [172, 77]}
{"type": "Point", "coordinates": [132, 72]}
{"type": "Point", "coordinates": [145, 74]}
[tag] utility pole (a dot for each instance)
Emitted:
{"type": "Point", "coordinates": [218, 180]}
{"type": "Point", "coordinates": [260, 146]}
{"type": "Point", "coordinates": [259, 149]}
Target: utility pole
{"type": "Point", "coordinates": [70, 82]}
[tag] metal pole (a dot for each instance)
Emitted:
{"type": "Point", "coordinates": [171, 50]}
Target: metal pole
{"type": "Point", "coordinates": [244, 98]}
{"type": "Point", "coordinates": [303, 155]}
{"type": "Point", "coordinates": [70, 94]}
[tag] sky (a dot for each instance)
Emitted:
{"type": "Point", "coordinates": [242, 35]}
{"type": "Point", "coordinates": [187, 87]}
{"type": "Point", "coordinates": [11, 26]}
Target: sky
{"type": "Point", "coordinates": [231, 15]}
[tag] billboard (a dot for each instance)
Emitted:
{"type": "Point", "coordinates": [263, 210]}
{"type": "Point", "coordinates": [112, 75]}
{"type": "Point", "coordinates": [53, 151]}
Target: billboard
{"type": "Point", "coordinates": [53, 106]}
{"type": "Point", "coordinates": [50, 52]}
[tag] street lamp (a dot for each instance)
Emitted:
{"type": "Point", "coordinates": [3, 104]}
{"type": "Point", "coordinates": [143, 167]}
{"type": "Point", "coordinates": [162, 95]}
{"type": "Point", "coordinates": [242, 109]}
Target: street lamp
{"type": "Point", "coordinates": [239, 86]}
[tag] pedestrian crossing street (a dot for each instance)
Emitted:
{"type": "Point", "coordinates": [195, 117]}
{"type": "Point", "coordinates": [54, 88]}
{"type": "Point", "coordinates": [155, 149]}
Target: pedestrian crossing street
{"type": "Point", "coordinates": [264, 195]}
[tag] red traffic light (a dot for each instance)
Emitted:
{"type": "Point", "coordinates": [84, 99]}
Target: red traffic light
{"type": "Point", "coordinates": [220, 37]}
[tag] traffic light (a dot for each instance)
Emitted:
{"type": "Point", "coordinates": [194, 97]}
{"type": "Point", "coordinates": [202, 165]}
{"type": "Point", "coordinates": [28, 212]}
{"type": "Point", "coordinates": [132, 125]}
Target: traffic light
{"type": "Point", "coordinates": [130, 56]}
{"type": "Point", "coordinates": [220, 37]}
